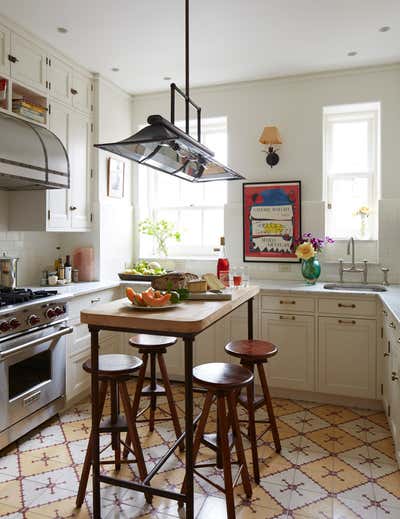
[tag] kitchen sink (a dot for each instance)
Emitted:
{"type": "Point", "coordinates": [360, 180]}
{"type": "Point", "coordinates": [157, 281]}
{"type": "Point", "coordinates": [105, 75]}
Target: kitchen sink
{"type": "Point", "coordinates": [356, 287]}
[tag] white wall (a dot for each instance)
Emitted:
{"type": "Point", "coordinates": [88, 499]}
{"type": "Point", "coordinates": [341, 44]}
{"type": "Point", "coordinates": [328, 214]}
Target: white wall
{"type": "Point", "coordinates": [295, 105]}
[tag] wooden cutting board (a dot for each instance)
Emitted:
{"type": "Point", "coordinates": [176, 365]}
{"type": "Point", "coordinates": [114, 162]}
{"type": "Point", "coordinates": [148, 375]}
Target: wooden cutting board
{"type": "Point", "coordinates": [210, 296]}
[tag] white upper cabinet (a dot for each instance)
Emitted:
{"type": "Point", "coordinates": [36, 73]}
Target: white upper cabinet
{"type": "Point", "coordinates": [293, 366]}
{"type": "Point", "coordinates": [5, 37]}
{"type": "Point", "coordinates": [58, 213]}
{"type": "Point", "coordinates": [81, 92]}
{"type": "Point", "coordinates": [79, 156]}
{"type": "Point", "coordinates": [28, 62]}
{"type": "Point", "coordinates": [347, 357]}
{"type": "Point", "coordinates": [59, 80]}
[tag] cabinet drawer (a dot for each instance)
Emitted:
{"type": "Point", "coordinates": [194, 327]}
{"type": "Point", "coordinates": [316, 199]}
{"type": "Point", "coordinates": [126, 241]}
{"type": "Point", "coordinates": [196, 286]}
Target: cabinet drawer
{"type": "Point", "coordinates": [348, 307]}
{"type": "Point", "coordinates": [81, 302]}
{"type": "Point", "coordinates": [287, 303]}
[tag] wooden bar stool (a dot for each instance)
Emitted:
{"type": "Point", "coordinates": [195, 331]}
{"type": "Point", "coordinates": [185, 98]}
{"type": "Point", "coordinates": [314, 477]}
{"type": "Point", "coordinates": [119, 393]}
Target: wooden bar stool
{"type": "Point", "coordinates": [114, 371]}
{"type": "Point", "coordinates": [154, 346]}
{"type": "Point", "coordinates": [223, 381]}
{"type": "Point", "coordinates": [256, 353]}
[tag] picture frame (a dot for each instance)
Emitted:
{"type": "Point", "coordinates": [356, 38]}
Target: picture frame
{"type": "Point", "coordinates": [271, 221]}
{"type": "Point", "coordinates": [115, 178]}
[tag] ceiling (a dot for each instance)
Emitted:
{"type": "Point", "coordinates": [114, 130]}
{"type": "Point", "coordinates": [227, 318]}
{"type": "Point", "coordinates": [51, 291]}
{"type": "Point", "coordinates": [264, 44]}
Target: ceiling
{"type": "Point", "coordinates": [235, 40]}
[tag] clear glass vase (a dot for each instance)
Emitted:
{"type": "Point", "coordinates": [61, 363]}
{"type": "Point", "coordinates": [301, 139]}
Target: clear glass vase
{"type": "Point", "coordinates": [311, 270]}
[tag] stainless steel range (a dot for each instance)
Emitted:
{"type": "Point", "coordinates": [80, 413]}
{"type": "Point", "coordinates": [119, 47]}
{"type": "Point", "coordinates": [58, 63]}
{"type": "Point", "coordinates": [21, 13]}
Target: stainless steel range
{"type": "Point", "coordinates": [33, 325]}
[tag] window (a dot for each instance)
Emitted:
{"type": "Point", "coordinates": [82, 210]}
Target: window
{"type": "Point", "coordinates": [351, 158]}
{"type": "Point", "coordinates": [197, 210]}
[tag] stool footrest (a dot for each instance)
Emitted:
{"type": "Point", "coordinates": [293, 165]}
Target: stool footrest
{"type": "Point", "coordinates": [159, 390]}
{"type": "Point", "coordinates": [211, 441]}
{"type": "Point", "coordinates": [120, 425]}
{"type": "Point", "coordinates": [258, 401]}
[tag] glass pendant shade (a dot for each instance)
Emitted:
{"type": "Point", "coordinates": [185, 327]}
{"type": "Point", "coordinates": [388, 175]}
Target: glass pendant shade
{"type": "Point", "coordinates": [164, 147]}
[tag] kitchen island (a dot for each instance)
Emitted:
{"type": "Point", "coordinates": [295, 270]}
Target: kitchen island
{"type": "Point", "coordinates": [185, 321]}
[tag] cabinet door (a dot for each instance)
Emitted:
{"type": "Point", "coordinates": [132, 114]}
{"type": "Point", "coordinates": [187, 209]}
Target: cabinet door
{"type": "Point", "coordinates": [59, 76]}
{"type": "Point", "coordinates": [58, 213]}
{"type": "Point", "coordinates": [79, 153]}
{"type": "Point", "coordinates": [81, 92]}
{"type": "Point", "coordinates": [347, 357]}
{"type": "Point", "coordinates": [394, 417]}
{"type": "Point", "coordinates": [385, 363]}
{"type": "Point", "coordinates": [30, 67]}
{"type": "Point", "coordinates": [293, 366]}
{"type": "Point", "coordinates": [4, 50]}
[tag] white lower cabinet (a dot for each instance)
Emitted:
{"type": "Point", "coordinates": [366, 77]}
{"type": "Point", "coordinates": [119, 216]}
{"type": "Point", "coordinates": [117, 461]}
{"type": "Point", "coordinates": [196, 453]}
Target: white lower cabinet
{"type": "Point", "coordinates": [78, 343]}
{"type": "Point", "coordinates": [394, 391]}
{"type": "Point", "coordinates": [293, 367]}
{"type": "Point", "coordinates": [347, 357]}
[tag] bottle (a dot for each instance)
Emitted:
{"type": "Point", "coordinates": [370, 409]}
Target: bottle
{"type": "Point", "coordinates": [223, 265]}
{"type": "Point", "coordinates": [68, 269]}
{"type": "Point", "coordinates": [61, 272]}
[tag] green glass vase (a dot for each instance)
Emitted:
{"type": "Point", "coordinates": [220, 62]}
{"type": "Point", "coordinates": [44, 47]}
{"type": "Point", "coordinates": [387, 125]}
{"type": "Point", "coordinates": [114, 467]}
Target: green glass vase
{"type": "Point", "coordinates": [311, 270]}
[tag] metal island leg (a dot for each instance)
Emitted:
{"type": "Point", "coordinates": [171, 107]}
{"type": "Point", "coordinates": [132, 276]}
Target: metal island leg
{"type": "Point", "coordinates": [94, 354]}
{"type": "Point", "coordinates": [188, 341]}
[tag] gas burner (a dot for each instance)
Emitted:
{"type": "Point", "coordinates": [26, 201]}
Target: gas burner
{"type": "Point", "coordinates": [13, 296]}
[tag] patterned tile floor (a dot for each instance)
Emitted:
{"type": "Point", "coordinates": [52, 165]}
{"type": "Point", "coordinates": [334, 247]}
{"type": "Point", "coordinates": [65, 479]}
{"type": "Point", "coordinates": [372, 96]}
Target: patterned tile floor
{"type": "Point", "coordinates": [335, 462]}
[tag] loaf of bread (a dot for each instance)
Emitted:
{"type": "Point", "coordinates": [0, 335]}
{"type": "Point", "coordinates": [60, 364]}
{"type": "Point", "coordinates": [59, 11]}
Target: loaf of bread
{"type": "Point", "coordinates": [172, 281]}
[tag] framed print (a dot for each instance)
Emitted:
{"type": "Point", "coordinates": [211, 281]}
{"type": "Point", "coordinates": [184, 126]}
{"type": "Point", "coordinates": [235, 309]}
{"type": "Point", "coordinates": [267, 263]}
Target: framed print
{"type": "Point", "coordinates": [116, 178]}
{"type": "Point", "coordinates": [271, 221]}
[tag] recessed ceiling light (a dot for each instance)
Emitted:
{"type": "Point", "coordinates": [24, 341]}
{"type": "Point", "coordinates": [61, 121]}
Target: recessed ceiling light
{"type": "Point", "coordinates": [385, 28]}
{"type": "Point", "coordinates": [167, 78]}
{"type": "Point", "coordinates": [115, 69]}
{"type": "Point", "coordinates": [352, 53]}
{"type": "Point", "coordinates": [62, 30]}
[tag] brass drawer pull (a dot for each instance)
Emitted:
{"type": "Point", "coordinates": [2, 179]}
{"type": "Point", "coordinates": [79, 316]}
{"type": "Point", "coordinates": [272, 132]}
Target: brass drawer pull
{"type": "Point", "coordinates": [386, 354]}
{"type": "Point", "coordinates": [392, 325]}
{"type": "Point", "coordinates": [95, 300]}
{"type": "Point", "coordinates": [384, 312]}
{"type": "Point", "coordinates": [394, 376]}
{"type": "Point", "coordinates": [287, 317]}
{"type": "Point", "coordinates": [287, 302]}
{"type": "Point", "coordinates": [346, 321]}
{"type": "Point", "coordinates": [342, 305]}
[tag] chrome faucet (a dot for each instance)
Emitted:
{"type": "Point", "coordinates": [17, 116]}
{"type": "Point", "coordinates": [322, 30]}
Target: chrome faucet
{"type": "Point", "coordinates": [353, 267]}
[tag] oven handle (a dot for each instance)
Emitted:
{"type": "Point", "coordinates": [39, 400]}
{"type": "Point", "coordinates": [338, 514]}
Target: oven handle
{"type": "Point", "coordinates": [18, 349]}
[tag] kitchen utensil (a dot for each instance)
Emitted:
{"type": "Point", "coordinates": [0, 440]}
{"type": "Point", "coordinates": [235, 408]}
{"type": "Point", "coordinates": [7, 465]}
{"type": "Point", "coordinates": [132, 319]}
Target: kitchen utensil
{"type": "Point", "coordinates": [8, 271]}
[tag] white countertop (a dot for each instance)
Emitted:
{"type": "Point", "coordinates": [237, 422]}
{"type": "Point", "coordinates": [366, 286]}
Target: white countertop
{"type": "Point", "coordinates": [391, 298]}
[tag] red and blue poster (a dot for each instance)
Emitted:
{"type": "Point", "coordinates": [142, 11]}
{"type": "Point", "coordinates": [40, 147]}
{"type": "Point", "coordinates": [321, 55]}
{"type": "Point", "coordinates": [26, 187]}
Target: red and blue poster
{"type": "Point", "coordinates": [271, 221]}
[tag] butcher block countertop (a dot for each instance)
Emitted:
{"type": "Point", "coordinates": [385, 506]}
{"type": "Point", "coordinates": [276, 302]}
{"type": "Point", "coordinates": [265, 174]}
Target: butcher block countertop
{"type": "Point", "coordinates": [190, 317]}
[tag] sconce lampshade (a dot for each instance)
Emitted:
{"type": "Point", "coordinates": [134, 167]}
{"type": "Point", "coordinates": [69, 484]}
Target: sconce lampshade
{"type": "Point", "coordinates": [270, 135]}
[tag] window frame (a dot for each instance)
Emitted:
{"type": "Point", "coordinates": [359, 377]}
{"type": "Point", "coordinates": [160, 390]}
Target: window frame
{"type": "Point", "coordinates": [369, 112]}
{"type": "Point", "coordinates": [148, 210]}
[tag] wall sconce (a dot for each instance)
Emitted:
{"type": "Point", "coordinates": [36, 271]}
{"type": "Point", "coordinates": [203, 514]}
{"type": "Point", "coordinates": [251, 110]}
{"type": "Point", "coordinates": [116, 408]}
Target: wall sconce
{"type": "Point", "coordinates": [270, 136]}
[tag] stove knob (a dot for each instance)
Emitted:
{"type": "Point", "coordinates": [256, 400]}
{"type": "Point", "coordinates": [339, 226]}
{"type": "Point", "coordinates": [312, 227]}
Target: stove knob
{"type": "Point", "coordinates": [50, 313]}
{"type": "Point", "coordinates": [58, 310]}
{"type": "Point", "coordinates": [33, 320]}
{"type": "Point", "coordinates": [14, 323]}
{"type": "Point", "coordinates": [4, 326]}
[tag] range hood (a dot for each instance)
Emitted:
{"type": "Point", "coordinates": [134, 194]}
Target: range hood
{"type": "Point", "coordinates": [164, 147]}
{"type": "Point", "coordinates": [31, 157]}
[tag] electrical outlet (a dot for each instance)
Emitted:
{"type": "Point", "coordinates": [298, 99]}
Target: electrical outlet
{"type": "Point", "coordinates": [283, 268]}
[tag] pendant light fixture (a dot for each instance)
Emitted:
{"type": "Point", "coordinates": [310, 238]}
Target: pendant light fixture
{"type": "Point", "coordinates": [163, 146]}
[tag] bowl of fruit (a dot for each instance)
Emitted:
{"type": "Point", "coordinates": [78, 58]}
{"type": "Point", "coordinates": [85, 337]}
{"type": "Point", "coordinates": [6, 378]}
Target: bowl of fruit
{"type": "Point", "coordinates": [143, 271]}
{"type": "Point", "coordinates": [151, 299]}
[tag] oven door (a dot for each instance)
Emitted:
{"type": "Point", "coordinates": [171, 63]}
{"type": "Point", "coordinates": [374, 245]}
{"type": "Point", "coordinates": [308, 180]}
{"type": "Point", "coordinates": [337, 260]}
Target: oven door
{"type": "Point", "coordinates": [32, 373]}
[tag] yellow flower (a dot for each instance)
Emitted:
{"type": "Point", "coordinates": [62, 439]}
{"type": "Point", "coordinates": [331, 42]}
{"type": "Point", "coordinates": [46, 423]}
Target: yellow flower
{"type": "Point", "coordinates": [305, 251]}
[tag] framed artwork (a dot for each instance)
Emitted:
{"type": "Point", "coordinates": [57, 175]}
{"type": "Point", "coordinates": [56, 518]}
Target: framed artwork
{"type": "Point", "coordinates": [115, 178]}
{"type": "Point", "coordinates": [271, 221]}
